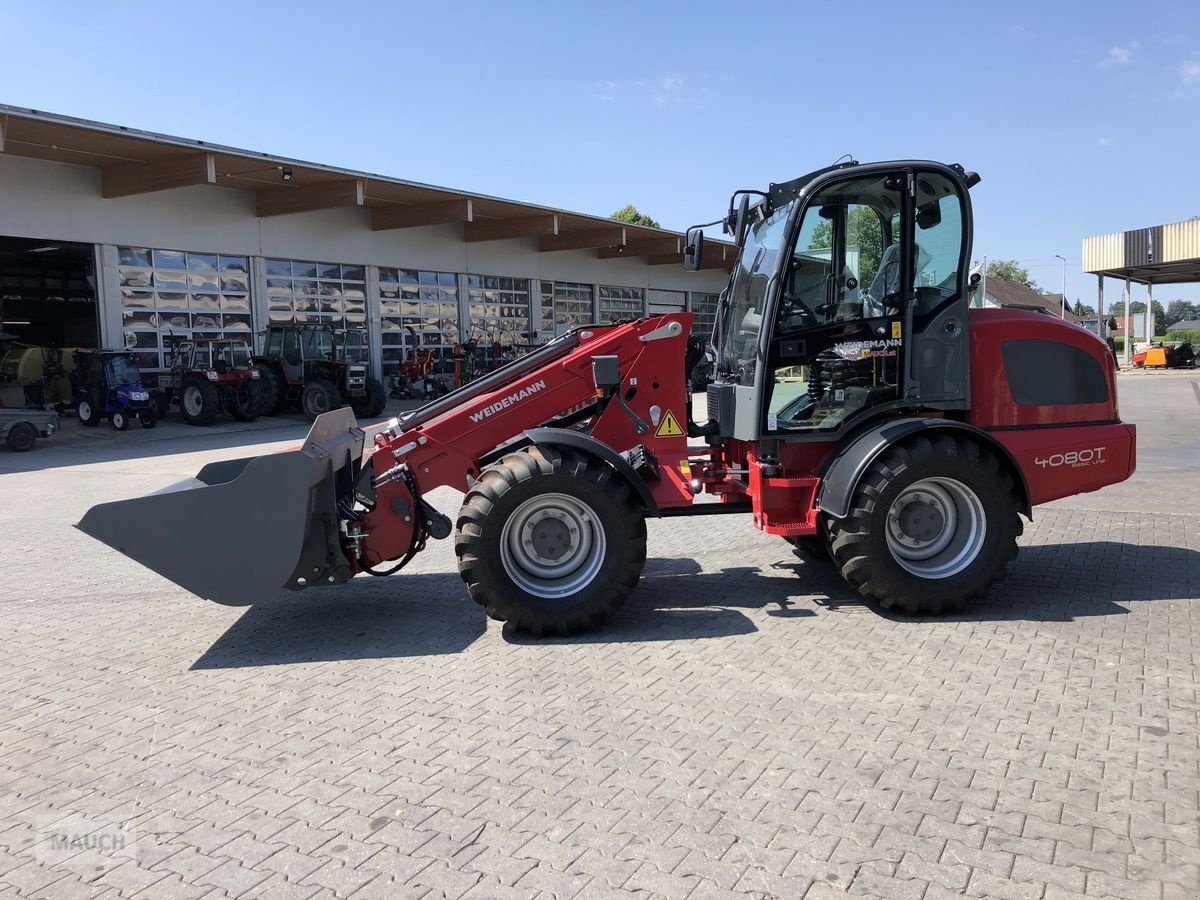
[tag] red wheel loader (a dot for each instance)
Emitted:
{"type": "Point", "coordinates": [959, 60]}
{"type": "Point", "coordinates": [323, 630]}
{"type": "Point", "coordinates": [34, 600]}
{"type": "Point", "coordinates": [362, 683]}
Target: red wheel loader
{"type": "Point", "coordinates": [858, 404]}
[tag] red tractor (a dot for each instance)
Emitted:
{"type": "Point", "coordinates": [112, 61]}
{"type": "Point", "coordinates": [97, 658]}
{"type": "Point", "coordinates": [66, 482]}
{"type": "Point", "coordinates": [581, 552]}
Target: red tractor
{"type": "Point", "coordinates": [858, 404]}
{"type": "Point", "coordinates": [315, 368]}
{"type": "Point", "coordinates": [208, 376]}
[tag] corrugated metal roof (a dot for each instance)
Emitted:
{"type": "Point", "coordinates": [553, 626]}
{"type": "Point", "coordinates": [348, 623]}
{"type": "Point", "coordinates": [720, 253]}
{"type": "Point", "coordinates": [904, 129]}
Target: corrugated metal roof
{"type": "Point", "coordinates": [1161, 254]}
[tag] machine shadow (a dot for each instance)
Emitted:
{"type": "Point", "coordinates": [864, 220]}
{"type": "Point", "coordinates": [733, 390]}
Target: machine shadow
{"type": "Point", "coordinates": [429, 614]}
{"type": "Point", "coordinates": [418, 615]}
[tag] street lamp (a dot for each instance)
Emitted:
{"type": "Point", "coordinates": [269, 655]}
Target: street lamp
{"type": "Point", "coordinates": [1064, 300]}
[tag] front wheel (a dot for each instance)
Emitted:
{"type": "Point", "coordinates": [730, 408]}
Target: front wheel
{"type": "Point", "coordinates": [932, 526]}
{"type": "Point", "coordinates": [120, 420]}
{"type": "Point", "coordinates": [319, 397]}
{"type": "Point", "coordinates": [148, 418]}
{"type": "Point", "coordinates": [372, 405]}
{"type": "Point", "coordinates": [550, 541]}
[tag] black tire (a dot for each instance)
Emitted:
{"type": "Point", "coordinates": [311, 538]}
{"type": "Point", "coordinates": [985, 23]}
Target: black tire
{"type": "Point", "coordinates": [148, 418]}
{"type": "Point", "coordinates": [814, 546]}
{"type": "Point", "coordinates": [89, 414]}
{"type": "Point", "coordinates": [247, 404]}
{"type": "Point", "coordinates": [319, 397]}
{"type": "Point", "coordinates": [373, 404]}
{"type": "Point", "coordinates": [161, 402]}
{"type": "Point", "coordinates": [606, 574]}
{"type": "Point", "coordinates": [21, 437]}
{"type": "Point", "coordinates": [199, 401]}
{"type": "Point", "coordinates": [863, 551]}
{"type": "Point", "coordinates": [120, 419]}
{"type": "Point", "coordinates": [275, 389]}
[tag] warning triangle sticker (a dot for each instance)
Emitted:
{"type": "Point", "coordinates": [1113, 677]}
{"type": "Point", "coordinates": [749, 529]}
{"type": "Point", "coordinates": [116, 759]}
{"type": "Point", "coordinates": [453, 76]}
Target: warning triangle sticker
{"type": "Point", "coordinates": [669, 427]}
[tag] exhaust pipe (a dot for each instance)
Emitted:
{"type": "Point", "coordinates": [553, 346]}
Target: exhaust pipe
{"type": "Point", "coordinates": [244, 528]}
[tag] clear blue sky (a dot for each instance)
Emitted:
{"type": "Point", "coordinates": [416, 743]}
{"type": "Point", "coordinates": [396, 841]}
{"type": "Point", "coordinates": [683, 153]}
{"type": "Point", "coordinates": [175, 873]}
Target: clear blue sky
{"type": "Point", "coordinates": [1082, 118]}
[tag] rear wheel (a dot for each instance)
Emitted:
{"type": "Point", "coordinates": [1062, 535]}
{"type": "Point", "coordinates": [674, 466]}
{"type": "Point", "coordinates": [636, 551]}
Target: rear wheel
{"type": "Point", "coordinates": [550, 541]}
{"type": "Point", "coordinates": [933, 525]}
{"type": "Point", "coordinates": [161, 402]}
{"type": "Point", "coordinates": [319, 397]}
{"type": "Point", "coordinates": [89, 415]}
{"type": "Point", "coordinates": [199, 402]}
{"type": "Point", "coordinates": [120, 420]}
{"type": "Point", "coordinates": [21, 437]}
{"type": "Point", "coordinates": [373, 403]}
{"type": "Point", "coordinates": [248, 402]}
{"type": "Point", "coordinates": [275, 389]}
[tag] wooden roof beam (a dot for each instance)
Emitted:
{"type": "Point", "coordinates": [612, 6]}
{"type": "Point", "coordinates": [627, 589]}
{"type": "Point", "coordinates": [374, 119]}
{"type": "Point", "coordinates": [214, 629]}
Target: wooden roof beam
{"type": "Point", "coordinates": [503, 229]}
{"type": "Point", "coordinates": [644, 247]}
{"type": "Point", "coordinates": [583, 240]}
{"type": "Point", "coordinates": [309, 198]}
{"type": "Point", "coordinates": [126, 179]}
{"type": "Point", "coordinates": [418, 215]}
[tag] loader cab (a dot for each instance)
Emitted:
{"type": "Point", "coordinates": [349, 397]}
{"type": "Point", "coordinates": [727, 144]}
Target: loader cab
{"type": "Point", "coordinates": [849, 299]}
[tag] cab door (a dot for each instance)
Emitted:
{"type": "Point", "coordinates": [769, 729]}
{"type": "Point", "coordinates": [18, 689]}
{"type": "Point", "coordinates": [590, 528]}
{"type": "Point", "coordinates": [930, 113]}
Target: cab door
{"type": "Point", "coordinates": [862, 280]}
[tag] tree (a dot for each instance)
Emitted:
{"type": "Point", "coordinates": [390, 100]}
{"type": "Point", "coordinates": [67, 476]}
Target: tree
{"type": "Point", "coordinates": [1181, 311]}
{"type": "Point", "coordinates": [1011, 270]}
{"type": "Point", "coordinates": [1082, 310]}
{"type": "Point", "coordinates": [629, 215]}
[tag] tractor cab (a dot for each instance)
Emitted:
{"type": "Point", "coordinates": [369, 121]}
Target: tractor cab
{"type": "Point", "coordinates": [849, 297]}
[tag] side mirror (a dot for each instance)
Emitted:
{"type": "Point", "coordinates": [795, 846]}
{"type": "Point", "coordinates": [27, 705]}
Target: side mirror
{"type": "Point", "coordinates": [975, 279]}
{"type": "Point", "coordinates": [693, 249]}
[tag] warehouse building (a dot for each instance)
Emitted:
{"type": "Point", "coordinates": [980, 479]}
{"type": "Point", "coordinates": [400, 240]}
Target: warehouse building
{"type": "Point", "coordinates": [121, 238]}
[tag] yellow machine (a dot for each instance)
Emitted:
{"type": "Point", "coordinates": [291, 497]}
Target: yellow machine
{"type": "Point", "coordinates": [1156, 358]}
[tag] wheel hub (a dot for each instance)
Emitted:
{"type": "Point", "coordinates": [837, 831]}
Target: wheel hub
{"type": "Point", "coordinates": [922, 520]}
{"type": "Point", "coordinates": [936, 527]}
{"type": "Point", "coordinates": [552, 545]}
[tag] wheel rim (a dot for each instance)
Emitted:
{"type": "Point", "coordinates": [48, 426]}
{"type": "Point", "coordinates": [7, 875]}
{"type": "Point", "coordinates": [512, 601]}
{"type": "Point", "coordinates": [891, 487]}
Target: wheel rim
{"type": "Point", "coordinates": [85, 410]}
{"type": "Point", "coordinates": [193, 400]}
{"type": "Point", "coordinates": [552, 545]}
{"type": "Point", "coordinates": [118, 420]}
{"type": "Point", "coordinates": [936, 528]}
{"type": "Point", "coordinates": [315, 403]}
{"type": "Point", "coordinates": [23, 438]}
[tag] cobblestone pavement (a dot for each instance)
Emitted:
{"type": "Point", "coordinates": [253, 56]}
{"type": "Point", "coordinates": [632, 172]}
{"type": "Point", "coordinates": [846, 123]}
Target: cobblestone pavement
{"type": "Point", "coordinates": [744, 728]}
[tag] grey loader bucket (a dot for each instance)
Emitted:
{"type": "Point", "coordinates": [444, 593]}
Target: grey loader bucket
{"type": "Point", "coordinates": [244, 528]}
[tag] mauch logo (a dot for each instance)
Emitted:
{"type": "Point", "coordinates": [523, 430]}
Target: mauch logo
{"type": "Point", "coordinates": [506, 402]}
{"type": "Point", "coordinates": [1072, 459]}
{"type": "Point", "coordinates": [85, 843]}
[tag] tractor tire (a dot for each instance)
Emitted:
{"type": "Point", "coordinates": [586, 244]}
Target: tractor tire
{"type": "Point", "coordinates": [319, 397]}
{"type": "Point", "coordinates": [120, 420]}
{"type": "Point", "coordinates": [933, 525]}
{"type": "Point", "coordinates": [275, 390]}
{"type": "Point", "coordinates": [199, 401]}
{"type": "Point", "coordinates": [373, 404]}
{"type": "Point", "coordinates": [161, 401]}
{"type": "Point", "coordinates": [814, 546]}
{"type": "Point", "coordinates": [88, 413]}
{"type": "Point", "coordinates": [247, 404]}
{"type": "Point", "coordinates": [21, 437]}
{"type": "Point", "coordinates": [550, 541]}
{"type": "Point", "coordinates": [148, 418]}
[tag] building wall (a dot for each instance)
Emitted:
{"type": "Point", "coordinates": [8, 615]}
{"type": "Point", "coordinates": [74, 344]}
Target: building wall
{"type": "Point", "coordinates": [54, 201]}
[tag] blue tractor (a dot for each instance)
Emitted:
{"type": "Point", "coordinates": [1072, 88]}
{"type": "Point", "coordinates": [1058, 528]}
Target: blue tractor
{"type": "Point", "coordinates": [109, 385]}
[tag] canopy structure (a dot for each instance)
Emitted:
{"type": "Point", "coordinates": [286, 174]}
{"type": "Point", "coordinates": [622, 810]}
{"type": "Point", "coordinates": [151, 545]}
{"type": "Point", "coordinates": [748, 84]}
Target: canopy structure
{"type": "Point", "coordinates": [1162, 254]}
